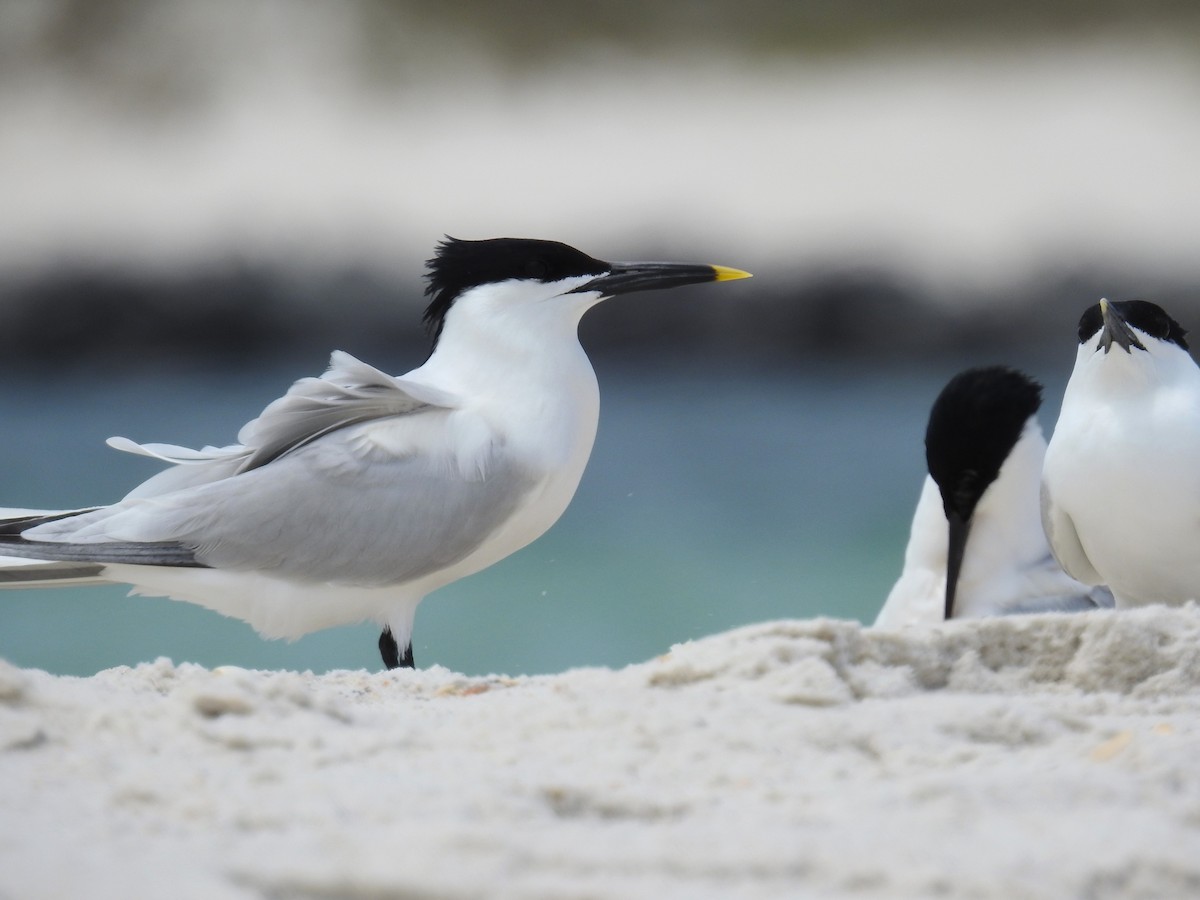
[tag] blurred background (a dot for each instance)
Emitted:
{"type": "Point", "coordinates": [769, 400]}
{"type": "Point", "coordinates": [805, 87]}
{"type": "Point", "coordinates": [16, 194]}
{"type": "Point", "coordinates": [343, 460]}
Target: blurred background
{"type": "Point", "coordinates": [201, 200]}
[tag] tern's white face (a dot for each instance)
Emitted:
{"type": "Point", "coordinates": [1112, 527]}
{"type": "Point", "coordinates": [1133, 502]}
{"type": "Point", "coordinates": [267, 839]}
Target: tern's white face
{"type": "Point", "coordinates": [516, 293]}
{"type": "Point", "coordinates": [1117, 371]}
{"type": "Point", "coordinates": [1131, 346]}
{"type": "Point", "coordinates": [522, 308]}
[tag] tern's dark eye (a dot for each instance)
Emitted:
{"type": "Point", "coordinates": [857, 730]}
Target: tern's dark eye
{"type": "Point", "coordinates": [1146, 317]}
{"type": "Point", "coordinates": [1152, 319]}
{"type": "Point", "coordinates": [536, 268]}
{"type": "Point", "coordinates": [1159, 326]}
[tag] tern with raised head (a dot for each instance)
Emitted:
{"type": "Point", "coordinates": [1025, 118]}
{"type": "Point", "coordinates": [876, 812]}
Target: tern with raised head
{"type": "Point", "coordinates": [358, 493]}
{"type": "Point", "coordinates": [1121, 484]}
{"type": "Point", "coordinates": [976, 547]}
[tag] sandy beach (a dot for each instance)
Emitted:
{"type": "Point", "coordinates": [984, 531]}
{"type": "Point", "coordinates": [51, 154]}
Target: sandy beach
{"type": "Point", "coordinates": [1049, 756]}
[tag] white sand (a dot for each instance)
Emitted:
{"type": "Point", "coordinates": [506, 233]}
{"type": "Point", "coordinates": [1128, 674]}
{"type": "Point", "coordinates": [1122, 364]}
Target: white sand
{"type": "Point", "coordinates": [1029, 757]}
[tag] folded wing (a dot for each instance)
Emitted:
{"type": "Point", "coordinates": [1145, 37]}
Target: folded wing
{"type": "Point", "coordinates": [316, 490]}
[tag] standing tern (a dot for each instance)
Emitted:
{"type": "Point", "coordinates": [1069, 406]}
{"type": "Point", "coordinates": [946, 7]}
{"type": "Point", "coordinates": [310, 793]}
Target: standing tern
{"type": "Point", "coordinates": [977, 547]}
{"type": "Point", "coordinates": [1121, 485]}
{"type": "Point", "coordinates": [358, 493]}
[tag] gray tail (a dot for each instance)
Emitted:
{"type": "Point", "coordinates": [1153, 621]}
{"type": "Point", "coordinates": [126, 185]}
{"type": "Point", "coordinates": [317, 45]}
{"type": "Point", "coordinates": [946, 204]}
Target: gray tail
{"type": "Point", "coordinates": [31, 573]}
{"type": "Point", "coordinates": [19, 570]}
{"type": "Point", "coordinates": [33, 563]}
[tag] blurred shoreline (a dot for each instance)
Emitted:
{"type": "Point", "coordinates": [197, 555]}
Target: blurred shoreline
{"type": "Point", "coordinates": [246, 316]}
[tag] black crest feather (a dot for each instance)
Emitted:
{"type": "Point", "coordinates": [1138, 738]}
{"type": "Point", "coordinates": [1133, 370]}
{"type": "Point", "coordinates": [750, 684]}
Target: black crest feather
{"type": "Point", "coordinates": [459, 265]}
{"type": "Point", "coordinates": [1148, 318]}
{"type": "Point", "coordinates": [973, 426]}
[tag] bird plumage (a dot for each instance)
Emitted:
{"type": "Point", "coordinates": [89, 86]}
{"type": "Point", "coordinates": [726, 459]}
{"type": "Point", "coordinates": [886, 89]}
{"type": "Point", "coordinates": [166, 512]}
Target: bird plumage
{"type": "Point", "coordinates": [984, 450]}
{"type": "Point", "coordinates": [357, 493]}
{"type": "Point", "coordinates": [1121, 484]}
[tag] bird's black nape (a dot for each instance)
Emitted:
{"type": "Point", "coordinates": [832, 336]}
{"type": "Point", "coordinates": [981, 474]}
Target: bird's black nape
{"type": "Point", "coordinates": [1148, 318]}
{"type": "Point", "coordinates": [390, 651]}
{"type": "Point", "coordinates": [461, 265]}
{"type": "Point", "coordinates": [975, 422]}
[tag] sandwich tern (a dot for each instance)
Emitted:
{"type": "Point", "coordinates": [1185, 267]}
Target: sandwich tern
{"type": "Point", "coordinates": [977, 547]}
{"type": "Point", "coordinates": [358, 493]}
{"type": "Point", "coordinates": [1121, 484]}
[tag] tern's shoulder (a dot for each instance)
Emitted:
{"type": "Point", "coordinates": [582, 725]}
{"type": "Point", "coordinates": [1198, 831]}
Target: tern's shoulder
{"type": "Point", "coordinates": [349, 393]}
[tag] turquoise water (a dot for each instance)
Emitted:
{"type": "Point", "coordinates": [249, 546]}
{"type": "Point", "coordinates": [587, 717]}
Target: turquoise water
{"type": "Point", "coordinates": [712, 500]}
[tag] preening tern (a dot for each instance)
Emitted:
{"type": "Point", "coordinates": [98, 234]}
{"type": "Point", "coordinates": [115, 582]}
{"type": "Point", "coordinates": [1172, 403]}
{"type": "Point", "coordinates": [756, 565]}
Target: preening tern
{"type": "Point", "coordinates": [356, 494]}
{"type": "Point", "coordinates": [977, 547]}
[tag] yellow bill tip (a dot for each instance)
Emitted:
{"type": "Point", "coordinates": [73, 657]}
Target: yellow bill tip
{"type": "Point", "coordinates": [724, 273]}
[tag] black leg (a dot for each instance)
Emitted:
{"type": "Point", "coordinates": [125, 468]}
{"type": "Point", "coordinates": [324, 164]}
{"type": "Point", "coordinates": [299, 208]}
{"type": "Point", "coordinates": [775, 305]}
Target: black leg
{"type": "Point", "coordinates": [390, 651]}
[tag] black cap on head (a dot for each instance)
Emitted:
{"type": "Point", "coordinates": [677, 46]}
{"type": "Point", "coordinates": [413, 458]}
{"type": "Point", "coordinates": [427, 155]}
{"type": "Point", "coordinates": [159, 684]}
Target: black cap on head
{"type": "Point", "coordinates": [1148, 318]}
{"type": "Point", "coordinates": [973, 426]}
{"type": "Point", "coordinates": [975, 422]}
{"type": "Point", "coordinates": [461, 265]}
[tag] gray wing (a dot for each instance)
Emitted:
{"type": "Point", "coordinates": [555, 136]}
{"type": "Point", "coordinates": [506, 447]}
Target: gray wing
{"type": "Point", "coordinates": [382, 520]}
{"type": "Point", "coordinates": [350, 479]}
{"type": "Point", "coordinates": [350, 392]}
{"type": "Point", "coordinates": [335, 510]}
{"type": "Point", "coordinates": [1085, 601]}
{"type": "Point", "coordinates": [1064, 541]}
{"type": "Point", "coordinates": [346, 478]}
